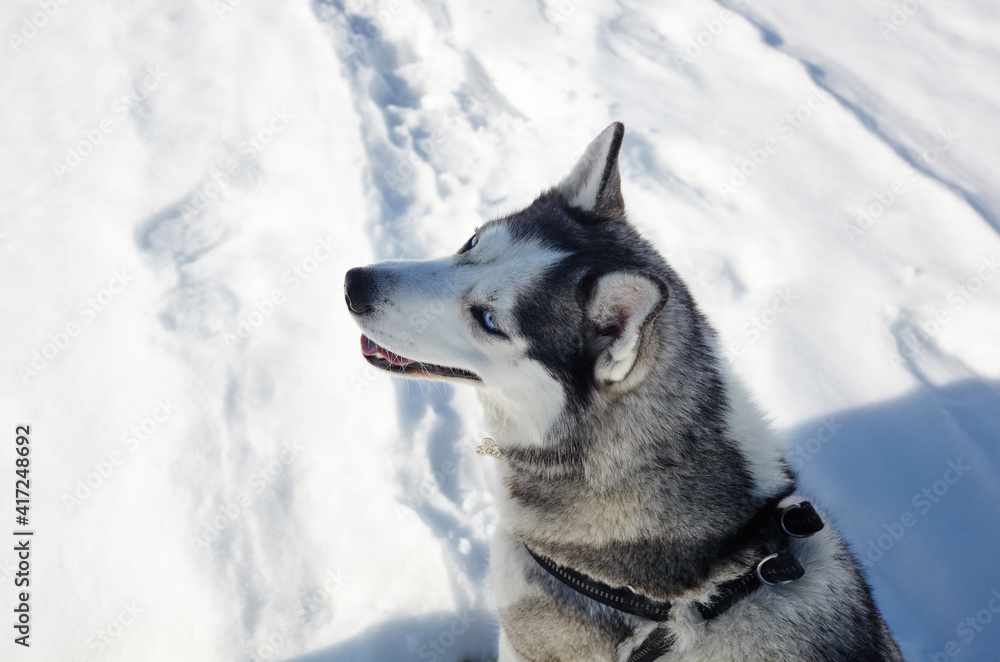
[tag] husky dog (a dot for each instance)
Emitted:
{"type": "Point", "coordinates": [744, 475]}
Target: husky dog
{"type": "Point", "coordinates": [646, 509]}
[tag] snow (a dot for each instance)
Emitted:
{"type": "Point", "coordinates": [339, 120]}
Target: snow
{"type": "Point", "coordinates": [201, 495]}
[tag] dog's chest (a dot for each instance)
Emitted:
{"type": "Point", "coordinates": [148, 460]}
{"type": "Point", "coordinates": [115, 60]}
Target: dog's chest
{"type": "Point", "coordinates": [566, 512]}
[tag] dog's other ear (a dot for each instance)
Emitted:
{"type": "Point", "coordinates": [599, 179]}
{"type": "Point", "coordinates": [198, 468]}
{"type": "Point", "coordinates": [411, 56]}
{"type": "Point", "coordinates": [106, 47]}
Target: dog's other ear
{"type": "Point", "coordinates": [594, 185]}
{"type": "Point", "coordinates": [622, 306]}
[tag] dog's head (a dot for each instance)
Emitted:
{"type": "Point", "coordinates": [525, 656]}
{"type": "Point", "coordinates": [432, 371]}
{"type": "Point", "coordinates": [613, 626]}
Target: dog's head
{"type": "Point", "coordinates": [544, 309]}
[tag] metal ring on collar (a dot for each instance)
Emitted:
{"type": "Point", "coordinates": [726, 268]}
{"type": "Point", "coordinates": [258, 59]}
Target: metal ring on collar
{"type": "Point", "coordinates": [784, 512]}
{"type": "Point", "coordinates": [760, 567]}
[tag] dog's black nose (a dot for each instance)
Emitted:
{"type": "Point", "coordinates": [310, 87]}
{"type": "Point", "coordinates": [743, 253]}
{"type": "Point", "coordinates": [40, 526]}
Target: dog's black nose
{"type": "Point", "coordinates": [359, 289]}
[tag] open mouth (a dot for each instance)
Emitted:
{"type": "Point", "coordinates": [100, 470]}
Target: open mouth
{"type": "Point", "coordinates": [380, 357]}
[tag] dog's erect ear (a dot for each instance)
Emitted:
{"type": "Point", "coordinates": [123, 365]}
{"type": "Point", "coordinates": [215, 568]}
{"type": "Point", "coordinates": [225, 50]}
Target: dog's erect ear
{"type": "Point", "coordinates": [622, 305]}
{"type": "Point", "coordinates": [595, 185]}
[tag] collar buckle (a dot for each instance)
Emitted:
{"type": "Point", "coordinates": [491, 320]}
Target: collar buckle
{"type": "Point", "coordinates": [760, 569]}
{"type": "Point", "coordinates": [804, 520]}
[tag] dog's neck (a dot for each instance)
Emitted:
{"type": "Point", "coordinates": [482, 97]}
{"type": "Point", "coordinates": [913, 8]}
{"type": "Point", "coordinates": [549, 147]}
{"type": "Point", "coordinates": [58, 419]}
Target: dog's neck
{"type": "Point", "coordinates": [668, 471]}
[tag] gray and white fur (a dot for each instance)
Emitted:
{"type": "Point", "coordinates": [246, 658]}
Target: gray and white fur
{"type": "Point", "coordinates": [630, 452]}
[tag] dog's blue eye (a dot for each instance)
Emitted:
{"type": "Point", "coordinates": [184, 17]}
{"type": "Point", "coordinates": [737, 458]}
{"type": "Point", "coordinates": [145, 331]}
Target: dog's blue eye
{"type": "Point", "coordinates": [488, 321]}
{"type": "Point", "coordinates": [470, 244]}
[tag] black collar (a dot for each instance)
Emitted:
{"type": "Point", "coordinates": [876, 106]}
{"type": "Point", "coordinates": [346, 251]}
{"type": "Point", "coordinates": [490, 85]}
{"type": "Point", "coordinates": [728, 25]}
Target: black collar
{"type": "Point", "coordinates": [799, 520]}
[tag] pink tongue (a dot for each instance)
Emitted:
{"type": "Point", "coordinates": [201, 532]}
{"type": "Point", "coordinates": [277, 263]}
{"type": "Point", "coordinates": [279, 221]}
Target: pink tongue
{"type": "Point", "coordinates": [370, 348]}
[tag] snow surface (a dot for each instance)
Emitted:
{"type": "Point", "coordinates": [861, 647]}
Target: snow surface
{"type": "Point", "coordinates": [273, 498]}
